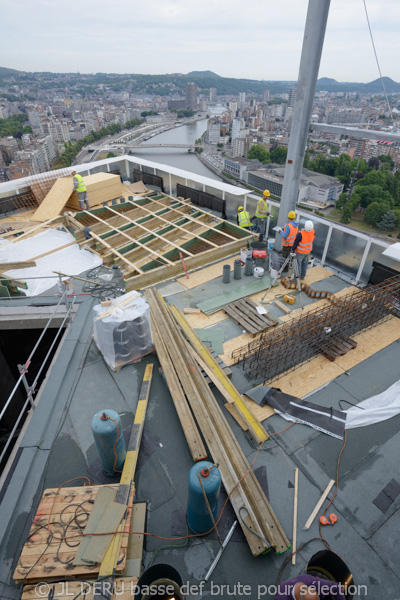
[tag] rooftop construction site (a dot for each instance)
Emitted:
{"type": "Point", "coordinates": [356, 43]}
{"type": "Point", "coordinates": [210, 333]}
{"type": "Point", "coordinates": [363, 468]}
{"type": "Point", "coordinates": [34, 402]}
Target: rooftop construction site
{"type": "Point", "coordinates": [167, 343]}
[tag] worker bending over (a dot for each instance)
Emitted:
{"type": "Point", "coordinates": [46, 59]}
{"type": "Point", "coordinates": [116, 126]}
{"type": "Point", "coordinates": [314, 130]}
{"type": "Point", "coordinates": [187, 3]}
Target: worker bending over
{"type": "Point", "coordinates": [261, 215]}
{"type": "Point", "coordinates": [288, 234]}
{"type": "Point", "coordinates": [80, 188]}
{"type": "Point", "coordinates": [243, 218]}
{"type": "Point", "coordinates": [302, 247]}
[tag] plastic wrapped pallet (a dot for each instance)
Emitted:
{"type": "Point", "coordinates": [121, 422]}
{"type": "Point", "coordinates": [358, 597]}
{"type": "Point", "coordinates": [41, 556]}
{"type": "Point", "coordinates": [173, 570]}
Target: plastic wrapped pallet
{"type": "Point", "coordinates": [122, 331]}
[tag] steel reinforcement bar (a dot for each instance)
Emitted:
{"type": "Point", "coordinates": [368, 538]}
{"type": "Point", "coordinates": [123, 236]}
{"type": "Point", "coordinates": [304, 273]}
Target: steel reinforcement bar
{"type": "Point", "coordinates": [302, 338]}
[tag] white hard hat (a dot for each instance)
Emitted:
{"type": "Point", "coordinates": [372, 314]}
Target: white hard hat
{"type": "Point", "coordinates": [309, 226]}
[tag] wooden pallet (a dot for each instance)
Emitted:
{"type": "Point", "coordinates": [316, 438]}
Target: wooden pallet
{"type": "Point", "coordinates": [41, 560]}
{"type": "Point", "coordinates": [338, 347]}
{"type": "Point", "coordinates": [244, 313]}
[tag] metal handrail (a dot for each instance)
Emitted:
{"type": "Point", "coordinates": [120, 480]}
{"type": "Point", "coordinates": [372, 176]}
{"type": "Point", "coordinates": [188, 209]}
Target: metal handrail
{"type": "Point", "coordinates": [24, 369]}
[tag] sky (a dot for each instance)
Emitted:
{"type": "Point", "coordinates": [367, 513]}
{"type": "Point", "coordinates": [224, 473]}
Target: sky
{"type": "Point", "coordinates": [253, 39]}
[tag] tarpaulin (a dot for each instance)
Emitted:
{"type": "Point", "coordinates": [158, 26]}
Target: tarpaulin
{"type": "Point", "coordinates": [71, 260]}
{"type": "Point", "coordinates": [377, 408]}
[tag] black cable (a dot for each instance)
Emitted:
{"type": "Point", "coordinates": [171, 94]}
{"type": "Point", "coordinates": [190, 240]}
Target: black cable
{"type": "Point", "coordinates": [348, 402]}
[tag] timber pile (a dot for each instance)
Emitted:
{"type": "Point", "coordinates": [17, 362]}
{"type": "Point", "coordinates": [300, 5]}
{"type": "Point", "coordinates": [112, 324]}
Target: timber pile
{"type": "Point", "coordinates": [247, 497]}
{"type": "Point", "coordinates": [244, 313]}
{"type": "Point", "coordinates": [101, 187]}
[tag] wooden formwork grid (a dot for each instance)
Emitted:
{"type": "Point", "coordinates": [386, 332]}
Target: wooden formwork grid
{"type": "Point", "coordinates": [150, 237]}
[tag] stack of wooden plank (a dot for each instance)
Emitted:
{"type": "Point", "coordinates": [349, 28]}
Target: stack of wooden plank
{"type": "Point", "coordinates": [191, 394]}
{"type": "Point", "coordinates": [244, 312]}
{"type": "Point", "coordinates": [101, 187]}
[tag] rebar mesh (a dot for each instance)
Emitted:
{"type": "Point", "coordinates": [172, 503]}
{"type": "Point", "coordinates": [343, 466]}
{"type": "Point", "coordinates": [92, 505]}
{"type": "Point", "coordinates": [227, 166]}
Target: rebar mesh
{"type": "Point", "coordinates": [312, 333]}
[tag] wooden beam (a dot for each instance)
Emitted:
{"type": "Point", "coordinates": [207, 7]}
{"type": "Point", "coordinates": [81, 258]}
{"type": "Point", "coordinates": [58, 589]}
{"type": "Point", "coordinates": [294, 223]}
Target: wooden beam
{"type": "Point", "coordinates": [129, 238]}
{"type": "Point", "coordinates": [296, 492]}
{"type": "Point", "coordinates": [218, 377]}
{"type": "Point", "coordinates": [185, 416]}
{"type": "Point", "coordinates": [204, 213]}
{"type": "Point", "coordinates": [319, 504]}
{"type": "Point", "coordinates": [17, 265]}
{"type": "Point", "coordinates": [246, 494]}
{"type": "Point", "coordinates": [161, 273]}
{"type": "Point", "coordinates": [109, 563]}
{"type": "Point", "coordinates": [111, 249]}
{"type": "Point", "coordinates": [185, 230]}
{"type": "Point", "coordinates": [44, 224]}
{"type": "Point", "coordinates": [156, 234]}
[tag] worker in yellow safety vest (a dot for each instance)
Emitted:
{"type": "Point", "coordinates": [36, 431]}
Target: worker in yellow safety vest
{"type": "Point", "coordinates": [80, 188]}
{"type": "Point", "coordinates": [302, 247]}
{"type": "Point", "coordinates": [288, 233]}
{"type": "Point", "coordinates": [261, 215]}
{"type": "Point", "coordinates": [243, 218]}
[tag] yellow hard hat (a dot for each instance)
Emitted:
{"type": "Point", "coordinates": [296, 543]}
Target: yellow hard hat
{"type": "Point", "coordinates": [240, 208]}
{"type": "Point", "coordinates": [292, 215]}
{"type": "Point", "coordinates": [266, 193]}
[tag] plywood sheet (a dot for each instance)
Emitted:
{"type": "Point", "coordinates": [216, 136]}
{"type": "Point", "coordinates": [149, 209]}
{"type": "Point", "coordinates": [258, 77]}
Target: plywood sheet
{"type": "Point", "coordinates": [55, 200]}
{"type": "Point", "coordinates": [208, 273]}
{"type": "Point", "coordinates": [138, 187]}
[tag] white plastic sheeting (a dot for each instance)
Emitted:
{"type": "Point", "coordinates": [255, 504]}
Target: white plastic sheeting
{"type": "Point", "coordinates": [123, 335]}
{"type": "Point", "coordinates": [71, 260]}
{"type": "Point", "coordinates": [376, 409]}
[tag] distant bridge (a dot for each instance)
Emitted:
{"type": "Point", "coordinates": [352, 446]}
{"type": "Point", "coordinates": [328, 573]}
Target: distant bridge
{"type": "Point", "coordinates": [144, 146]}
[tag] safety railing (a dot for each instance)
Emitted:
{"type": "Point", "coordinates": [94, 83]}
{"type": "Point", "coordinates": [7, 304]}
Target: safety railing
{"type": "Point", "coordinates": [348, 251]}
{"type": "Point", "coordinates": [23, 368]}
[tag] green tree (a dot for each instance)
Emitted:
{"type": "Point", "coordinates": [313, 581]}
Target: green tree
{"type": "Point", "coordinates": [375, 211]}
{"type": "Point", "coordinates": [111, 155]}
{"type": "Point", "coordinates": [259, 152]}
{"type": "Point", "coordinates": [279, 155]}
{"type": "Point", "coordinates": [389, 221]}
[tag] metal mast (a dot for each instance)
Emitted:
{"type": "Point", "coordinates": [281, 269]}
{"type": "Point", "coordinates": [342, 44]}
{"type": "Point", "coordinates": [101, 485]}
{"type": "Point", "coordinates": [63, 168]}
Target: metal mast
{"type": "Point", "coordinates": [314, 33]}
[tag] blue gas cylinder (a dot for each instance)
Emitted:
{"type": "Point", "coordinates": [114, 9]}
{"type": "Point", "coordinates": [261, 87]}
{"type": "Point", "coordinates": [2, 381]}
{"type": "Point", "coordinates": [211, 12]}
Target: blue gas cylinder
{"type": "Point", "coordinates": [110, 441]}
{"type": "Point", "coordinates": [198, 516]}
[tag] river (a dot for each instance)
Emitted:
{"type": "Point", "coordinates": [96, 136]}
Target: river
{"type": "Point", "coordinates": [180, 158]}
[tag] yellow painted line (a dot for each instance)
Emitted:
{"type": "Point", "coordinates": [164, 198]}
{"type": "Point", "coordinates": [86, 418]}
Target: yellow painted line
{"type": "Point", "coordinates": [140, 411]}
{"type": "Point", "coordinates": [110, 559]}
{"type": "Point", "coordinates": [129, 467]}
{"type": "Point", "coordinates": [255, 426]}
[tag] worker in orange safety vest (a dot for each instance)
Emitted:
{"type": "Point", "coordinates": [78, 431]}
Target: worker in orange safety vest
{"type": "Point", "coordinates": [288, 233]}
{"type": "Point", "coordinates": [302, 247]}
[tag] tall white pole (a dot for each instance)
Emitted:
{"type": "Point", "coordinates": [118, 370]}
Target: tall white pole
{"type": "Point", "coordinates": [314, 33]}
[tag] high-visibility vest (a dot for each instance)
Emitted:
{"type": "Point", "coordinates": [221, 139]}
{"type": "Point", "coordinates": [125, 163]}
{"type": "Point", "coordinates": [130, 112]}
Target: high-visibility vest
{"type": "Point", "coordinates": [81, 187]}
{"type": "Point", "coordinates": [289, 241]}
{"type": "Point", "coordinates": [244, 219]}
{"type": "Point", "coordinates": [306, 244]}
{"type": "Point", "coordinates": [264, 207]}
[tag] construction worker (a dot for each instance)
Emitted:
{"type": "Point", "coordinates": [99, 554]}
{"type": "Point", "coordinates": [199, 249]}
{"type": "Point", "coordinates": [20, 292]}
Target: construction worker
{"type": "Point", "coordinates": [308, 587]}
{"type": "Point", "coordinates": [302, 247]}
{"type": "Point", "coordinates": [288, 234]}
{"type": "Point", "coordinates": [261, 215]}
{"type": "Point", "coordinates": [243, 218]}
{"type": "Point", "coordinates": [80, 188]}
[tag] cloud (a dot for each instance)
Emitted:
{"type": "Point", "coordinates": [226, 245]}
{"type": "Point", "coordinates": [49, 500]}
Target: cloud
{"type": "Point", "coordinates": [260, 39]}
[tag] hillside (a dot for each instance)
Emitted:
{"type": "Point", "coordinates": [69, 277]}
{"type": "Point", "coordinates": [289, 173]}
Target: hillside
{"type": "Point", "coordinates": [174, 84]}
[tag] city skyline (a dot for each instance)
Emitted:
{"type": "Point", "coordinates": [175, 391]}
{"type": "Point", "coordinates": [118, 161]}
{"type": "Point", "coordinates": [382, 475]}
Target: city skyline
{"type": "Point", "coordinates": [259, 41]}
